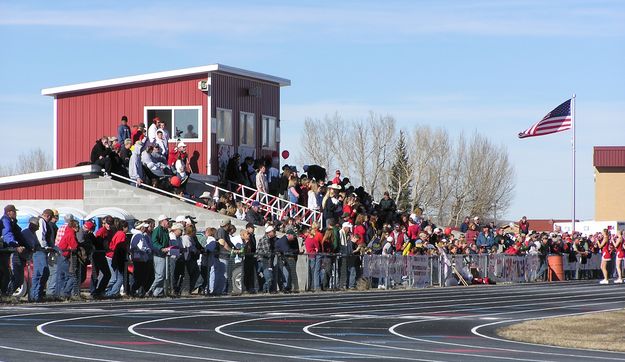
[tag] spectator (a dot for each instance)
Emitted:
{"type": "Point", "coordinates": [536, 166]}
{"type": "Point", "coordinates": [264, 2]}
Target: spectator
{"type": "Point", "coordinates": [337, 178]}
{"type": "Point", "coordinates": [387, 208]}
{"type": "Point", "coordinates": [287, 249]}
{"type": "Point", "coordinates": [100, 155]}
{"type": "Point", "coordinates": [135, 167]}
{"type": "Point", "coordinates": [66, 269]}
{"type": "Point", "coordinates": [253, 215]}
{"type": "Point", "coordinates": [141, 254]}
{"type": "Point", "coordinates": [524, 226]}
{"type": "Point", "coordinates": [486, 238]}
{"type": "Point", "coordinates": [152, 130]}
{"type": "Point", "coordinates": [233, 172]}
{"type": "Point", "coordinates": [100, 266]}
{"type": "Point", "coordinates": [12, 238]}
{"type": "Point", "coordinates": [123, 131]}
{"type": "Point", "coordinates": [41, 272]}
{"type": "Point", "coordinates": [464, 227]}
{"type": "Point", "coordinates": [20, 260]}
{"type": "Point", "coordinates": [116, 259]}
{"type": "Point", "coordinates": [261, 180]}
{"type": "Point", "coordinates": [189, 258]}
{"type": "Point", "coordinates": [312, 248]}
{"type": "Point", "coordinates": [125, 152]}
{"type": "Point", "coordinates": [249, 261]}
{"type": "Point", "coordinates": [86, 242]}
{"type": "Point", "coordinates": [265, 257]}
{"type": "Point", "coordinates": [160, 245]}
{"type": "Point", "coordinates": [162, 144]}
{"type": "Point", "coordinates": [316, 172]}
{"type": "Point", "coordinates": [472, 234]}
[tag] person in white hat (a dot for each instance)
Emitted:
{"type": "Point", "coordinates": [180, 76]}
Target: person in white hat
{"type": "Point", "coordinates": [141, 254]}
{"type": "Point", "coordinates": [264, 256]}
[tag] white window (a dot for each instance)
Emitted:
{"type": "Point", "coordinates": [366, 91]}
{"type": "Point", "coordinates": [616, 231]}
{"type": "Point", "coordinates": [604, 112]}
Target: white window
{"type": "Point", "coordinates": [182, 123]}
{"type": "Point", "coordinates": [224, 126]}
{"type": "Point", "coordinates": [269, 133]}
{"type": "Point", "coordinates": [247, 126]}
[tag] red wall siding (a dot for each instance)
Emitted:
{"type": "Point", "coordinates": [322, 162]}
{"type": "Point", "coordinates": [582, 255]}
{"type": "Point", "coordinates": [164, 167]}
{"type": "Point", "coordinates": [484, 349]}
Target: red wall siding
{"type": "Point", "coordinates": [69, 188]}
{"type": "Point", "coordinates": [231, 92]}
{"type": "Point", "coordinates": [83, 117]}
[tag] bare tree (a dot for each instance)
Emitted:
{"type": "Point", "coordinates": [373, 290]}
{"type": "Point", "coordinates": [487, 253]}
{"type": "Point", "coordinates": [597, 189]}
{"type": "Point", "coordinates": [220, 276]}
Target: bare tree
{"type": "Point", "coordinates": [448, 178]}
{"type": "Point", "coordinates": [35, 160]}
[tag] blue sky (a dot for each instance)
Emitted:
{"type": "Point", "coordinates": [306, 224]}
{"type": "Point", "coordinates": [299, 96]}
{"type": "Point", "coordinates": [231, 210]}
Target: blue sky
{"type": "Point", "coordinates": [492, 66]}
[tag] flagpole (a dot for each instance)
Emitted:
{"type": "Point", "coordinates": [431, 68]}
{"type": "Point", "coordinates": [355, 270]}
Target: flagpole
{"type": "Point", "coordinates": [573, 161]}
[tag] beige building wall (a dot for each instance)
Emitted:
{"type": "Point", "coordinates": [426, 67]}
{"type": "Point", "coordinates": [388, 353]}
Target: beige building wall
{"type": "Point", "coordinates": [610, 194]}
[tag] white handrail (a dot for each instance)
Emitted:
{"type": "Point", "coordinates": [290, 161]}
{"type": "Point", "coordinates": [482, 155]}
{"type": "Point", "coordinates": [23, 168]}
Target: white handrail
{"type": "Point", "coordinates": [181, 198]}
{"type": "Point", "coordinates": [276, 206]}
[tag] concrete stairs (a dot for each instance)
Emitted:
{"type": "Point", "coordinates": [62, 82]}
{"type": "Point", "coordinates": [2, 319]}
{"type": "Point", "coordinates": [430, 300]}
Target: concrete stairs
{"type": "Point", "coordinates": [142, 204]}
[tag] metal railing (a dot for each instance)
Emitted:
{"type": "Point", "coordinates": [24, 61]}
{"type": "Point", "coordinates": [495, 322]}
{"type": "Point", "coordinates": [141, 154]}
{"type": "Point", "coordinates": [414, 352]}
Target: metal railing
{"type": "Point", "coordinates": [236, 272]}
{"type": "Point", "coordinates": [275, 208]}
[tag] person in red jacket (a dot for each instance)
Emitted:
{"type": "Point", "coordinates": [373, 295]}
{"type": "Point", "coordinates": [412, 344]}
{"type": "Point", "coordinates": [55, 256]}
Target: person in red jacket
{"type": "Point", "coordinates": [116, 258]}
{"type": "Point", "coordinates": [68, 244]}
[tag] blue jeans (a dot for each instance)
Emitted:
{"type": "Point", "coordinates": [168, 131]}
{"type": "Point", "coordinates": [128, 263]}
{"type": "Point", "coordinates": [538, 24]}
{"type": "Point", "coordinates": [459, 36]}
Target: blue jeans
{"type": "Point", "coordinates": [351, 271]}
{"type": "Point", "coordinates": [66, 278]}
{"type": "Point", "coordinates": [265, 267]}
{"type": "Point", "coordinates": [217, 283]}
{"type": "Point", "coordinates": [285, 274]}
{"type": "Point", "coordinates": [40, 275]}
{"type": "Point", "coordinates": [159, 277]}
{"type": "Point", "coordinates": [53, 259]}
{"type": "Point", "coordinates": [314, 271]}
{"type": "Point", "coordinates": [117, 280]}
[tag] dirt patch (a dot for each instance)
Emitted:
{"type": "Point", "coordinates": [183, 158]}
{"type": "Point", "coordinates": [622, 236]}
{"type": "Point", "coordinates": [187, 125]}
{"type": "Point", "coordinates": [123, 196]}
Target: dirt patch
{"type": "Point", "coordinates": [600, 331]}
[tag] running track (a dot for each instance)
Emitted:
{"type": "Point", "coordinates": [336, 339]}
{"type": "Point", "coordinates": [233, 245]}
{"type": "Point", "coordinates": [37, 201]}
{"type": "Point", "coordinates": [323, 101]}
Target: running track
{"type": "Point", "coordinates": [437, 324]}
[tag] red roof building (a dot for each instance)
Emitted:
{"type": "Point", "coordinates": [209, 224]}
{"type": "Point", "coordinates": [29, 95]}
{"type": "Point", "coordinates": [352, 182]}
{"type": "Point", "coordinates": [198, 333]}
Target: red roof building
{"type": "Point", "coordinates": [217, 111]}
{"type": "Point", "coordinates": [609, 163]}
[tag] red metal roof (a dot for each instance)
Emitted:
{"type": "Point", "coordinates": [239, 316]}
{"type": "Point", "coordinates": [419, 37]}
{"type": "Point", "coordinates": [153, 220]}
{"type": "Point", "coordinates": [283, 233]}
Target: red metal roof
{"type": "Point", "coordinates": [609, 156]}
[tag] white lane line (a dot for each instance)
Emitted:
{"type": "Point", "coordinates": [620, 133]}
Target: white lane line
{"type": "Point", "coordinates": [475, 329]}
{"type": "Point", "coordinates": [368, 355]}
{"type": "Point", "coordinates": [464, 354]}
{"type": "Point", "coordinates": [40, 329]}
{"type": "Point", "coordinates": [393, 328]}
{"type": "Point", "coordinates": [47, 353]}
{"type": "Point", "coordinates": [132, 330]}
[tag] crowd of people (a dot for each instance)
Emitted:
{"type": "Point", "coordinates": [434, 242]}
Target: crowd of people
{"type": "Point", "coordinates": [146, 157]}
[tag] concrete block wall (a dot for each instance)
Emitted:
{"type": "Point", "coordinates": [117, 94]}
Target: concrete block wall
{"type": "Point", "coordinates": [142, 204]}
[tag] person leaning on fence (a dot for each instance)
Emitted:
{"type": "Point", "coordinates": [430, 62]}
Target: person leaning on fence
{"type": "Point", "coordinates": [100, 272]}
{"type": "Point", "coordinates": [86, 241]}
{"type": "Point", "coordinates": [287, 249]}
{"type": "Point", "coordinates": [265, 258]}
{"type": "Point", "coordinates": [11, 238]}
{"type": "Point", "coordinates": [66, 264]}
{"type": "Point", "coordinates": [41, 272]}
{"type": "Point", "coordinates": [141, 253]}
{"type": "Point", "coordinates": [116, 257]}
{"type": "Point", "coordinates": [20, 260]}
{"type": "Point", "coordinates": [249, 259]}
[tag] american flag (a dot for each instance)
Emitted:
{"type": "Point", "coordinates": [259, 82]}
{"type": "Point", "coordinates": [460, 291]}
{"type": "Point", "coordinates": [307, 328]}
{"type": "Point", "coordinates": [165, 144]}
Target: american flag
{"type": "Point", "coordinates": [557, 120]}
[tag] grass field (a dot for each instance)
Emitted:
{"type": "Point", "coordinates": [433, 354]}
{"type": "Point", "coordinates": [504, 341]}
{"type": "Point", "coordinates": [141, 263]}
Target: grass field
{"type": "Point", "coordinates": [601, 331]}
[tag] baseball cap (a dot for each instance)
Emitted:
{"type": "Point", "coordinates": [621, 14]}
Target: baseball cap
{"type": "Point", "coordinates": [224, 222]}
{"type": "Point", "coordinates": [162, 217]}
{"type": "Point", "coordinates": [180, 218]}
{"type": "Point", "coordinates": [269, 229]}
{"type": "Point", "coordinates": [34, 220]}
{"type": "Point", "coordinates": [255, 203]}
{"type": "Point", "coordinates": [291, 232]}
{"type": "Point", "coordinates": [347, 225]}
{"type": "Point", "coordinates": [9, 207]}
{"type": "Point", "coordinates": [182, 144]}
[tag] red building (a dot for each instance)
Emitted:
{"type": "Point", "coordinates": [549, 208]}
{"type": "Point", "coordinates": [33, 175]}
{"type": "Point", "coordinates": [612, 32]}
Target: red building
{"type": "Point", "coordinates": [220, 110]}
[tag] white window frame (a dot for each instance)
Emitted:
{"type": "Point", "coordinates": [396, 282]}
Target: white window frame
{"type": "Point", "coordinates": [172, 137]}
{"type": "Point", "coordinates": [253, 117]}
{"type": "Point", "coordinates": [274, 146]}
{"type": "Point", "coordinates": [217, 127]}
